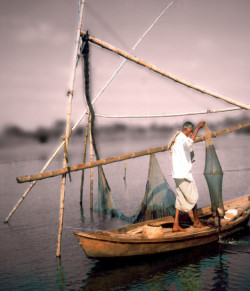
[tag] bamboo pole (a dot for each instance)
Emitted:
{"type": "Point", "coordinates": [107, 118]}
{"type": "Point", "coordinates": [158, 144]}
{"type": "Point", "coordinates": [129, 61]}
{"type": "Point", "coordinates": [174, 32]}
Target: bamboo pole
{"type": "Point", "coordinates": [33, 184]}
{"type": "Point", "coordinates": [67, 135]}
{"type": "Point", "coordinates": [110, 160]}
{"type": "Point", "coordinates": [224, 131]}
{"type": "Point", "coordinates": [19, 202]}
{"type": "Point", "coordinates": [84, 157]}
{"type": "Point", "coordinates": [165, 74]}
{"type": "Point", "coordinates": [78, 167]}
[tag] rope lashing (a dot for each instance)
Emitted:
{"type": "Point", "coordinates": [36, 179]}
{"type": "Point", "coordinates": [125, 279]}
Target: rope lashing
{"type": "Point", "coordinates": [70, 93]}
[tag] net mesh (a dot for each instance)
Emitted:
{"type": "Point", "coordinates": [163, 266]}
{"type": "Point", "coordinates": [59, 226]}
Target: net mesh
{"type": "Point", "coordinates": [158, 201]}
{"type": "Point", "coordinates": [214, 175]}
{"type": "Point", "coordinates": [105, 202]}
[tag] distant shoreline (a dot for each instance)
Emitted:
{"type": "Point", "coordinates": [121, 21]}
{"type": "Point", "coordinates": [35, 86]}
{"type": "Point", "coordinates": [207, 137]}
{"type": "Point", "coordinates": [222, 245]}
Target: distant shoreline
{"type": "Point", "coordinates": [15, 135]}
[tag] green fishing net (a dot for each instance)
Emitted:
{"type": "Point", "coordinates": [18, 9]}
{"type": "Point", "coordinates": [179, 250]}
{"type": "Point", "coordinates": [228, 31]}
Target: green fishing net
{"type": "Point", "coordinates": [214, 175]}
{"type": "Point", "coordinates": [158, 201]}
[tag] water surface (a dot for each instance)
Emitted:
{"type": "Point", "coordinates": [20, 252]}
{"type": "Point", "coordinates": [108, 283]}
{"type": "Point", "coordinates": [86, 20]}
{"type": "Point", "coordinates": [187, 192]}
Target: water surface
{"type": "Point", "coordinates": [28, 241]}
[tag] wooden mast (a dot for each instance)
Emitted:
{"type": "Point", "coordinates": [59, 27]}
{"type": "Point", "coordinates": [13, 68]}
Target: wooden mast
{"type": "Point", "coordinates": [67, 135]}
{"type": "Point", "coordinates": [165, 74]}
{"type": "Point", "coordinates": [110, 160]}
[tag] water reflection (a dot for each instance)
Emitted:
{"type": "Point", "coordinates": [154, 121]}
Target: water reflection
{"type": "Point", "coordinates": [60, 276]}
{"type": "Point", "coordinates": [182, 270]}
{"type": "Point", "coordinates": [82, 212]}
{"type": "Point", "coordinates": [221, 274]}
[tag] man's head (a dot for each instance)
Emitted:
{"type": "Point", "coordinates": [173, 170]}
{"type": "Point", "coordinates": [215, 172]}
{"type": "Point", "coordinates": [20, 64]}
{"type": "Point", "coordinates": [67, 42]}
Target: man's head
{"type": "Point", "coordinates": [188, 128]}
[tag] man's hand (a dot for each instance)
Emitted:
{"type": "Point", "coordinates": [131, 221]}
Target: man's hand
{"type": "Point", "coordinates": [194, 134]}
{"type": "Point", "coordinates": [201, 124]}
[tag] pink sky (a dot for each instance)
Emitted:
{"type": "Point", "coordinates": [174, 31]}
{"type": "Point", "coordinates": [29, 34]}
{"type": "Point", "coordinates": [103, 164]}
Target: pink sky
{"type": "Point", "coordinates": [204, 42]}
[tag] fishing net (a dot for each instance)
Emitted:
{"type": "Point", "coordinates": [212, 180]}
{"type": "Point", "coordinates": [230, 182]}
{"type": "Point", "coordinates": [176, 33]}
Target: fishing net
{"type": "Point", "coordinates": [105, 201]}
{"type": "Point", "coordinates": [159, 200]}
{"type": "Point", "coordinates": [214, 175]}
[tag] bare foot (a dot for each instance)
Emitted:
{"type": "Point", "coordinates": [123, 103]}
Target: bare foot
{"type": "Point", "coordinates": [198, 224]}
{"type": "Point", "coordinates": [178, 228]}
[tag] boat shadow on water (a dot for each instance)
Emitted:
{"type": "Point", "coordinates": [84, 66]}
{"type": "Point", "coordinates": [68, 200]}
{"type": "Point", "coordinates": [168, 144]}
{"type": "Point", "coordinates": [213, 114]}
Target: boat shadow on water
{"type": "Point", "coordinates": [187, 269]}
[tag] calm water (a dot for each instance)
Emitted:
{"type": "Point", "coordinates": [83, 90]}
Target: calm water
{"type": "Point", "coordinates": [28, 242]}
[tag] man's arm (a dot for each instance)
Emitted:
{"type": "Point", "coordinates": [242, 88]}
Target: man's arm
{"type": "Point", "coordinates": [195, 132]}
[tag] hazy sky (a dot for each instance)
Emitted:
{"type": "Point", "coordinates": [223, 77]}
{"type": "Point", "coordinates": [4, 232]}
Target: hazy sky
{"type": "Point", "coordinates": [204, 42]}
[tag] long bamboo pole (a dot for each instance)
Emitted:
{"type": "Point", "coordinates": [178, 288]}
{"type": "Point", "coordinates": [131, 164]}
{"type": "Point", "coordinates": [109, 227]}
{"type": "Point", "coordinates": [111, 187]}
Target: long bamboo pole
{"type": "Point", "coordinates": [224, 131]}
{"type": "Point", "coordinates": [165, 74]}
{"type": "Point", "coordinates": [33, 183]}
{"type": "Point", "coordinates": [67, 135]}
{"type": "Point", "coordinates": [110, 160]}
{"type": "Point", "coordinates": [19, 202]}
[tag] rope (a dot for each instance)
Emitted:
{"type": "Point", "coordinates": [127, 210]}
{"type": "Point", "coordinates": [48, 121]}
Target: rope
{"type": "Point", "coordinates": [172, 141]}
{"type": "Point", "coordinates": [224, 171]}
{"type": "Point", "coordinates": [236, 170]}
{"type": "Point", "coordinates": [168, 115]}
{"type": "Point", "coordinates": [157, 18]}
{"type": "Point", "coordinates": [85, 54]}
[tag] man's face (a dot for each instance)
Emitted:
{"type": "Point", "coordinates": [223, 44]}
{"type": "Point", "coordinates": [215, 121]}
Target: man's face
{"type": "Point", "coordinates": [188, 131]}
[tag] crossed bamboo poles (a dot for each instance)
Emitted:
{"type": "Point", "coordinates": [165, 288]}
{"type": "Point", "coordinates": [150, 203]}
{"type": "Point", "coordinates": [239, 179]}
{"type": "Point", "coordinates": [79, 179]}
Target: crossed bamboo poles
{"type": "Point", "coordinates": [66, 169]}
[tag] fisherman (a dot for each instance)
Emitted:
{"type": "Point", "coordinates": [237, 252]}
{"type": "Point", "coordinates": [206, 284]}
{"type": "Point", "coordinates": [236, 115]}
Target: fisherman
{"type": "Point", "coordinates": [182, 158]}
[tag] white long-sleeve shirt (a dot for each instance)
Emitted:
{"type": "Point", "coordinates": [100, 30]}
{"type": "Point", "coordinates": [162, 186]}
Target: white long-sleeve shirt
{"type": "Point", "coordinates": [181, 158]}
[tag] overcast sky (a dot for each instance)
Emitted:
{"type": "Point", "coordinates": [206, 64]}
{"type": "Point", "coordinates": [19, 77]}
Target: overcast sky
{"type": "Point", "coordinates": [204, 42]}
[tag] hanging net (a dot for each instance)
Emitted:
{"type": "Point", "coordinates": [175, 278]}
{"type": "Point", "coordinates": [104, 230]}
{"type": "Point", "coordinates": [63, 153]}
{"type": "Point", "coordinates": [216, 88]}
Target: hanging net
{"type": "Point", "coordinates": [105, 201]}
{"type": "Point", "coordinates": [213, 174]}
{"type": "Point", "coordinates": [159, 200]}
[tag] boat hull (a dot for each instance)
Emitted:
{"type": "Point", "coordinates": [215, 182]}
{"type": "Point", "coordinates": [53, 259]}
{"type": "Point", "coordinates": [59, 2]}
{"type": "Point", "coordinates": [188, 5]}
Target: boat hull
{"type": "Point", "coordinates": [127, 241]}
{"type": "Point", "coordinates": [105, 249]}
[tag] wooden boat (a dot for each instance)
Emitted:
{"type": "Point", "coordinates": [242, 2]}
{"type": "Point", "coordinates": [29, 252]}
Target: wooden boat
{"type": "Point", "coordinates": [156, 236]}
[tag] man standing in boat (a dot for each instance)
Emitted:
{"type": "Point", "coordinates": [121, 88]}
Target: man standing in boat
{"type": "Point", "coordinates": [182, 158]}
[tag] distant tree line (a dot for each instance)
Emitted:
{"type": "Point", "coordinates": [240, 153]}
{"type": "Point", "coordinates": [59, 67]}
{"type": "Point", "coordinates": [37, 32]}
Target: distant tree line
{"type": "Point", "coordinates": [57, 130]}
